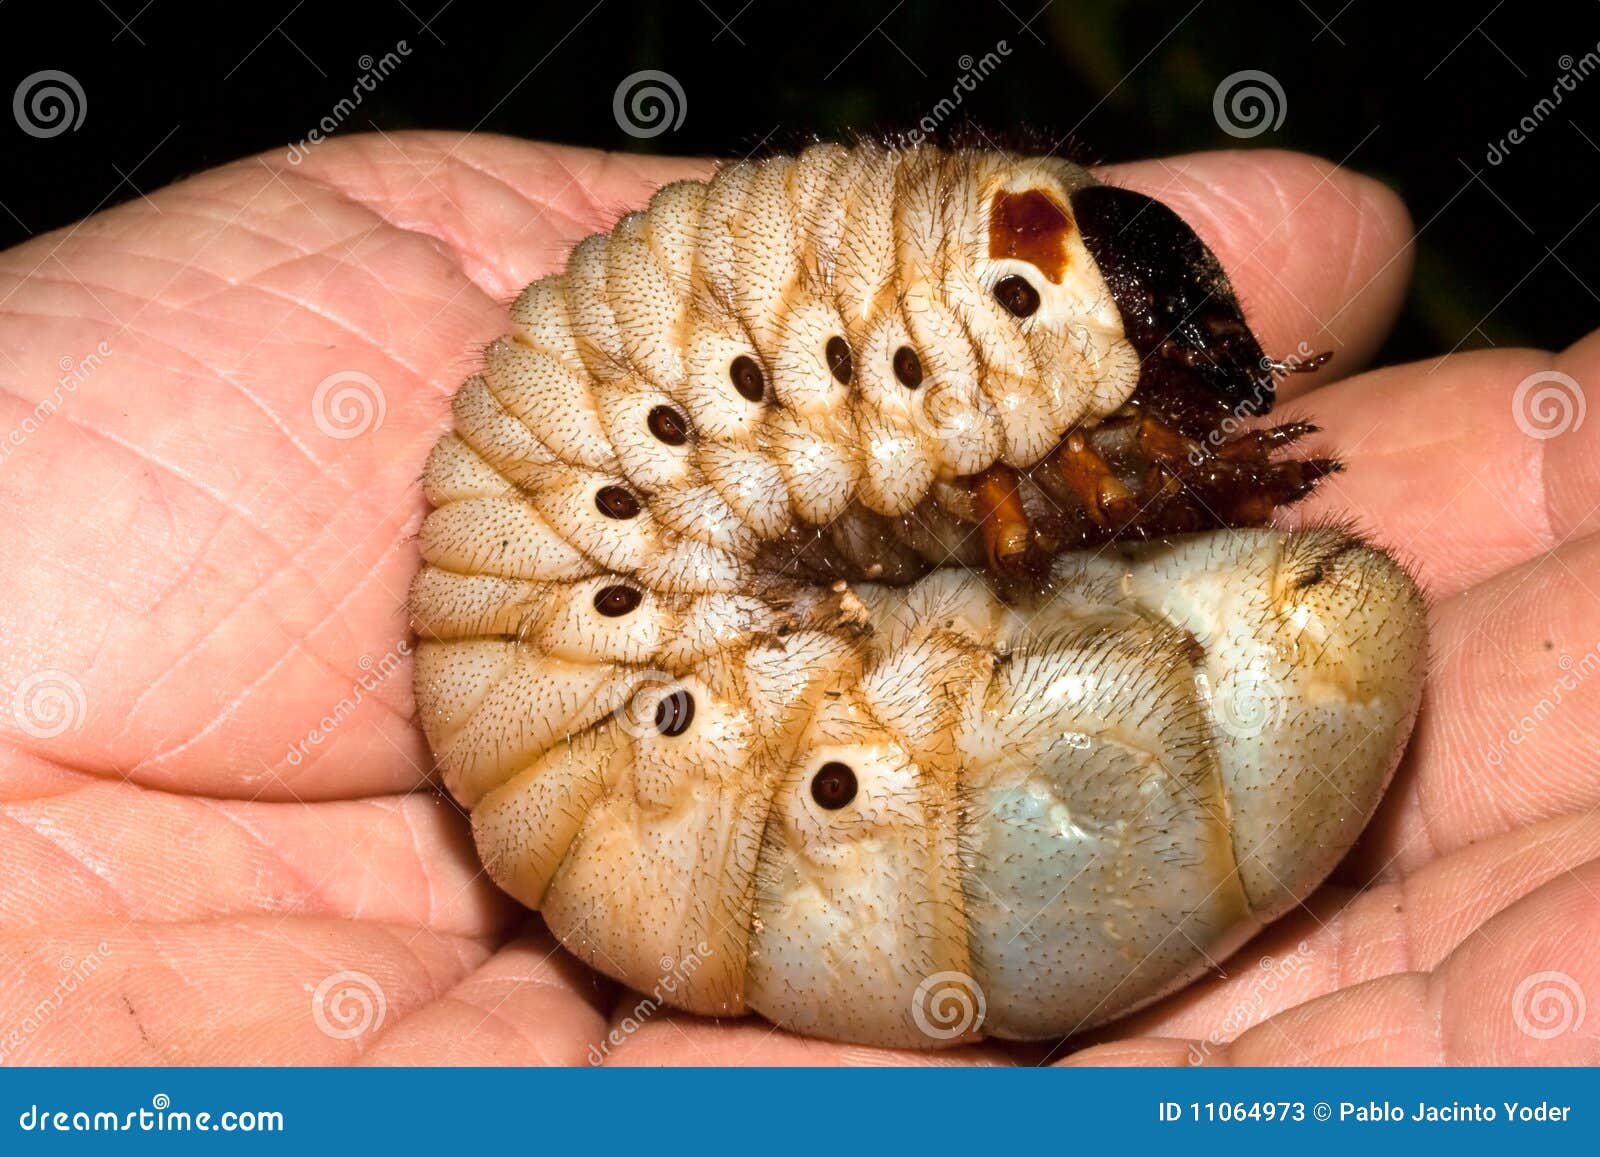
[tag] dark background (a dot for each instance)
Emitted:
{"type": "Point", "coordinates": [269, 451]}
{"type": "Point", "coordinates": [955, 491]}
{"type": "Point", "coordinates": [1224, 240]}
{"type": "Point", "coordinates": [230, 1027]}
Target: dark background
{"type": "Point", "coordinates": [1509, 253]}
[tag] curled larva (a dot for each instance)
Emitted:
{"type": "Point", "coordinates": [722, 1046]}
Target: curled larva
{"type": "Point", "coordinates": [759, 635]}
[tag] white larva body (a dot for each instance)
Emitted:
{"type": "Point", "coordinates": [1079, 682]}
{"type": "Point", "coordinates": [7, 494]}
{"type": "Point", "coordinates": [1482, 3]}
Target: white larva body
{"type": "Point", "coordinates": [1064, 804]}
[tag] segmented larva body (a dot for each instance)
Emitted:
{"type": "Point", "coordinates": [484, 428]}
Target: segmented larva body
{"type": "Point", "coordinates": [688, 656]}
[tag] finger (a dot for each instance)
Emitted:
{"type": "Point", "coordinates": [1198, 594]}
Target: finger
{"type": "Point", "coordinates": [1506, 735]}
{"type": "Point", "coordinates": [1319, 255]}
{"type": "Point", "coordinates": [529, 1004]}
{"type": "Point", "coordinates": [207, 559]}
{"type": "Point", "coordinates": [1515, 995]}
{"type": "Point", "coordinates": [1340, 939]}
{"type": "Point", "coordinates": [104, 852]}
{"type": "Point", "coordinates": [261, 990]}
{"type": "Point", "coordinates": [1460, 466]}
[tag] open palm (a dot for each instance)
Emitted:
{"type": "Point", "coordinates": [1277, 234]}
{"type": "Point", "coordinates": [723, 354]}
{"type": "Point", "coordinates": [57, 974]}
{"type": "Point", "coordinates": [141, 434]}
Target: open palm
{"type": "Point", "coordinates": [221, 843]}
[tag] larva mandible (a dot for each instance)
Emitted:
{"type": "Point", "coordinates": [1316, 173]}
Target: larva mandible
{"type": "Point", "coordinates": [759, 636]}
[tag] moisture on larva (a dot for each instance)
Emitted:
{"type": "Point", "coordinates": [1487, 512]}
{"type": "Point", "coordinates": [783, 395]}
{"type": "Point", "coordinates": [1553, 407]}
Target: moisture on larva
{"type": "Point", "coordinates": [852, 576]}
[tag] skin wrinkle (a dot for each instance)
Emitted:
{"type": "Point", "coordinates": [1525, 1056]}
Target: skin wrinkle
{"type": "Point", "coordinates": [302, 447]}
{"type": "Point", "coordinates": [229, 217]}
{"type": "Point", "coordinates": [55, 841]}
{"type": "Point", "coordinates": [455, 244]}
{"type": "Point", "coordinates": [233, 705]}
{"type": "Point", "coordinates": [583, 221]}
{"type": "Point", "coordinates": [1440, 975]}
{"type": "Point", "coordinates": [519, 985]}
{"type": "Point", "coordinates": [1407, 931]}
{"type": "Point", "coordinates": [144, 301]}
{"type": "Point", "coordinates": [436, 987]}
{"type": "Point", "coordinates": [85, 287]}
{"type": "Point", "coordinates": [64, 782]}
{"type": "Point", "coordinates": [180, 581]}
{"type": "Point", "coordinates": [283, 863]}
{"type": "Point", "coordinates": [394, 934]}
{"type": "Point", "coordinates": [175, 471]}
{"type": "Point", "coordinates": [300, 302]}
{"type": "Point", "coordinates": [492, 1016]}
{"type": "Point", "coordinates": [240, 608]}
{"type": "Point", "coordinates": [1367, 212]}
{"type": "Point", "coordinates": [304, 303]}
{"type": "Point", "coordinates": [1459, 727]}
{"type": "Point", "coordinates": [408, 822]}
{"type": "Point", "coordinates": [26, 279]}
{"type": "Point", "coordinates": [73, 281]}
{"type": "Point", "coordinates": [297, 305]}
{"type": "Point", "coordinates": [1433, 1008]}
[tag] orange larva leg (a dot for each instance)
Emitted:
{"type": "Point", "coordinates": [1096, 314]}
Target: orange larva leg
{"type": "Point", "coordinates": [1007, 533]}
{"type": "Point", "coordinates": [1085, 473]}
{"type": "Point", "coordinates": [1138, 475]}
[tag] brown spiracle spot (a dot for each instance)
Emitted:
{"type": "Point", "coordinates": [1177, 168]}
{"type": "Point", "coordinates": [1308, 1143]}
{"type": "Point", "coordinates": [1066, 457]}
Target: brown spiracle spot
{"type": "Point", "coordinates": [616, 502]}
{"type": "Point", "coordinates": [834, 786]}
{"type": "Point", "coordinates": [616, 600]}
{"type": "Point", "coordinates": [839, 364]}
{"type": "Point", "coordinates": [674, 713]}
{"type": "Point", "coordinates": [908, 367]}
{"type": "Point", "coordinates": [1031, 226]}
{"type": "Point", "coordinates": [747, 378]}
{"type": "Point", "coordinates": [1016, 296]}
{"type": "Point", "coordinates": [668, 426]}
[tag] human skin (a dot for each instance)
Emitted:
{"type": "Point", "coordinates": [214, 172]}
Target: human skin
{"type": "Point", "coordinates": [204, 572]}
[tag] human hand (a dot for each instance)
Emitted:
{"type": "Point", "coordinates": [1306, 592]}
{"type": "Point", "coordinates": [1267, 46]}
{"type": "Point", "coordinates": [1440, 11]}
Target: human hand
{"type": "Point", "coordinates": [223, 845]}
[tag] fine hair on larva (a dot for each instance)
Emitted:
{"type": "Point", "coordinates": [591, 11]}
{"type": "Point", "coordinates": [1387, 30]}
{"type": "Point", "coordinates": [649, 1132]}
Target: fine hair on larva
{"type": "Point", "coordinates": [852, 572]}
